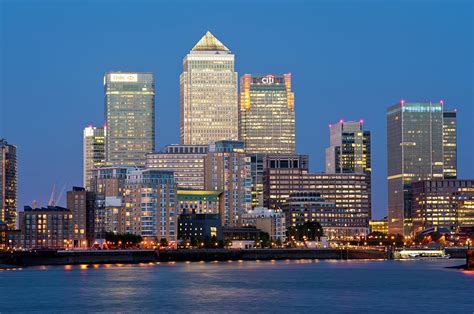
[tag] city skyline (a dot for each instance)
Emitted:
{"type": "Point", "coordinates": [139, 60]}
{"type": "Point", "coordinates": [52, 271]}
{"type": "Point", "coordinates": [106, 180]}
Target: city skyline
{"type": "Point", "coordinates": [168, 132]}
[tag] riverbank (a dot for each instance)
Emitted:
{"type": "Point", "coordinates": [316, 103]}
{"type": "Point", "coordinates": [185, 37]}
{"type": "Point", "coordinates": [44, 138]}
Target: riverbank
{"type": "Point", "coordinates": [52, 257]}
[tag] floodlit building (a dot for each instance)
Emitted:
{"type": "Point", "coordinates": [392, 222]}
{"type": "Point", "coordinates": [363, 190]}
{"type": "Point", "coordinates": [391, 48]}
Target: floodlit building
{"type": "Point", "coordinates": [417, 135]}
{"type": "Point", "coordinates": [208, 94]}
{"type": "Point", "coordinates": [267, 113]}
{"type": "Point", "coordinates": [227, 170]}
{"type": "Point", "coordinates": [94, 152]}
{"type": "Point", "coordinates": [271, 221]}
{"type": "Point", "coordinates": [379, 225]}
{"type": "Point", "coordinates": [186, 161]}
{"type": "Point", "coordinates": [8, 183]}
{"type": "Point", "coordinates": [150, 204]}
{"type": "Point", "coordinates": [200, 202]}
{"type": "Point", "coordinates": [442, 203]}
{"type": "Point", "coordinates": [337, 222]}
{"type": "Point", "coordinates": [129, 117]}
{"type": "Point", "coordinates": [199, 226]}
{"type": "Point", "coordinates": [450, 144]}
{"type": "Point", "coordinates": [87, 223]}
{"type": "Point", "coordinates": [48, 227]}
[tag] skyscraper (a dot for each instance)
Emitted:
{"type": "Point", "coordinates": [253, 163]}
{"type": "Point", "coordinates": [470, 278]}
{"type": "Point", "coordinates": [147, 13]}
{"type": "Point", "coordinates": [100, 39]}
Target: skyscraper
{"type": "Point", "coordinates": [349, 150]}
{"type": "Point", "coordinates": [129, 117]}
{"type": "Point", "coordinates": [8, 183]}
{"type": "Point", "coordinates": [415, 152]}
{"type": "Point", "coordinates": [94, 152]}
{"type": "Point", "coordinates": [449, 144]}
{"type": "Point", "coordinates": [267, 113]}
{"type": "Point", "coordinates": [208, 94]}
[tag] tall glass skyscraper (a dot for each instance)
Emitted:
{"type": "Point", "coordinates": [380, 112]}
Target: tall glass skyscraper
{"type": "Point", "coordinates": [267, 113]}
{"type": "Point", "coordinates": [208, 94]}
{"type": "Point", "coordinates": [8, 184]}
{"type": "Point", "coordinates": [94, 152]}
{"type": "Point", "coordinates": [129, 117]}
{"type": "Point", "coordinates": [415, 152]}
{"type": "Point", "coordinates": [449, 144]}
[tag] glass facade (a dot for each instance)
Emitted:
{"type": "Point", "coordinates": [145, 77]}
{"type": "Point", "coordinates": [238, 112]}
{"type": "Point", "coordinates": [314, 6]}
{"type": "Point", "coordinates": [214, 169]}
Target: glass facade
{"type": "Point", "coordinates": [415, 152]}
{"type": "Point", "coordinates": [267, 113]}
{"type": "Point", "coordinates": [449, 144]}
{"type": "Point", "coordinates": [208, 94]}
{"type": "Point", "coordinates": [94, 152]}
{"type": "Point", "coordinates": [129, 117]}
{"type": "Point", "coordinates": [8, 184]}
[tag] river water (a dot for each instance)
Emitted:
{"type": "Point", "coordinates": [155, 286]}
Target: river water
{"type": "Point", "coordinates": [242, 286]}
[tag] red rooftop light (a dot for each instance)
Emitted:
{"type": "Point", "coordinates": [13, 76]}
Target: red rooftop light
{"type": "Point", "coordinates": [362, 121]}
{"type": "Point", "coordinates": [441, 102]}
{"type": "Point", "coordinates": [402, 101]}
{"type": "Point", "coordinates": [341, 121]}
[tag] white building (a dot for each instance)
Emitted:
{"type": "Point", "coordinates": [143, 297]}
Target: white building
{"type": "Point", "coordinates": [271, 221]}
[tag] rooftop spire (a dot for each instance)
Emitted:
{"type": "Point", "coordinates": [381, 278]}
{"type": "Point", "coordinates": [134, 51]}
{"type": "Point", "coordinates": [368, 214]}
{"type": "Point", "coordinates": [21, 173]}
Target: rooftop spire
{"type": "Point", "coordinates": [209, 42]}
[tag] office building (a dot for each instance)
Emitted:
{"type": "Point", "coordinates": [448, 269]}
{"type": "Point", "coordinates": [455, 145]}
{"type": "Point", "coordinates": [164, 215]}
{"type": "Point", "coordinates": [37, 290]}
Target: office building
{"type": "Point", "coordinates": [349, 151]}
{"type": "Point", "coordinates": [87, 223]}
{"type": "Point", "coordinates": [337, 222]}
{"type": "Point", "coordinates": [227, 170]}
{"type": "Point", "coordinates": [348, 192]}
{"type": "Point", "coordinates": [271, 221]}
{"type": "Point", "coordinates": [129, 117]}
{"type": "Point", "coordinates": [150, 200]}
{"type": "Point", "coordinates": [415, 152]}
{"type": "Point", "coordinates": [379, 225]}
{"type": "Point", "coordinates": [199, 226]}
{"type": "Point", "coordinates": [442, 203]}
{"type": "Point", "coordinates": [8, 183]}
{"type": "Point", "coordinates": [267, 114]}
{"type": "Point", "coordinates": [94, 152]}
{"type": "Point", "coordinates": [199, 202]}
{"type": "Point", "coordinates": [450, 144]}
{"type": "Point", "coordinates": [49, 227]}
{"type": "Point", "coordinates": [186, 161]}
{"type": "Point", "coordinates": [208, 94]}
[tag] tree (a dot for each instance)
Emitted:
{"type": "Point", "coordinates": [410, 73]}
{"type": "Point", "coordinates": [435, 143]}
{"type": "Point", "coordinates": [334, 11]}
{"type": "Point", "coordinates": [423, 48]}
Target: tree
{"type": "Point", "coordinates": [163, 242]}
{"type": "Point", "coordinates": [308, 231]}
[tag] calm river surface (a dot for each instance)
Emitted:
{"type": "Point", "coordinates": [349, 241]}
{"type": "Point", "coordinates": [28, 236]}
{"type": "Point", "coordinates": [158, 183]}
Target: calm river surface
{"type": "Point", "coordinates": [277, 286]}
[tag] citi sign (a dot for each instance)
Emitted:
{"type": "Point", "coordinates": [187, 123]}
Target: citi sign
{"type": "Point", "coordinates": [269, 79]}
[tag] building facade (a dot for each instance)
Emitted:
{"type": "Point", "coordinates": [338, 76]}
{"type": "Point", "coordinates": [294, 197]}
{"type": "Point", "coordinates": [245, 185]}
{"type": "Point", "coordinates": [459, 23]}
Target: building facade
{"type": "Point", "coordinates": [450, 144]}
{"type": "Point", "coordinates": [441, 203]}
{"type": "Point", "coordinates": [338, 223]}
{"type": "Point", "coordinates": [271, 221]}
{"type": "Point", "coordinates": [87, 223]}
{"type": "Point", "coordinates": [379, 225]}
{"type": "Point", "coordinates": [94, 152]}
{"type": "Point", "coordinates": [415, 151]}
{"type": "Point", "coordinates": [267, 114]}
{"type": "Point", "coordinates": [208, 94]}
{"type": "Point", "coordinates": [129, 117]}
{"type": "Point", "coordinates": [49, 227]}
{"type": "Point", "coordinates": [349, 151]}
{"type": "Point", "coordinates": [199, 226]}
{"type": "Point", "coordinates": [8, 184]}
{"type": "Point", "coordinates": [186, 161]}
{"type": "Point", "coordinates": [227, 170]}
{"type": "Point", "coordinates": [150, 204]}
{"type": "Point", "coordinates": [348, 192]}
{"type": "Point", "coordinates": [200, 202]}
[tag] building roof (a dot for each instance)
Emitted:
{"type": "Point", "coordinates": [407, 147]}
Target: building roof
{"type": "Point", "coordinates": [209, 42]}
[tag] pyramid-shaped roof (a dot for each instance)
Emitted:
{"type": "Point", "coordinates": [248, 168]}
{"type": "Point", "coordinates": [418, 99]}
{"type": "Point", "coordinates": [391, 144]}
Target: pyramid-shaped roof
{"type": "Point", "coordinates": [209, 42]}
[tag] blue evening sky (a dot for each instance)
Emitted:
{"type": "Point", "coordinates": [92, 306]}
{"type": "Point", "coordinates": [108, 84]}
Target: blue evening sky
{"type": "Point", "coordinates": [349, 60]}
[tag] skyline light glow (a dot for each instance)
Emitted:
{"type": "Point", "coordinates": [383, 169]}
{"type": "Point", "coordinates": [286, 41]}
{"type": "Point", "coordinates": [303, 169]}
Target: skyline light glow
{"type": "Point", "coordinates": [347, 62]}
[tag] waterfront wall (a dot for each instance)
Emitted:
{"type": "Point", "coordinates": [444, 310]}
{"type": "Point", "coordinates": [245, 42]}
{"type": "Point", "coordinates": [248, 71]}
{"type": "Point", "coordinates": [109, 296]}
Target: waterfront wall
{"type": "Point", "coordinates": [145, 256]}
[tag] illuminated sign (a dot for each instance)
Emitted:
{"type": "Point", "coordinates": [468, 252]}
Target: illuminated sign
{"type": "Point", "coordinates": [269, 79]}
{"type": "Point", "coordinates": [123, 77]}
